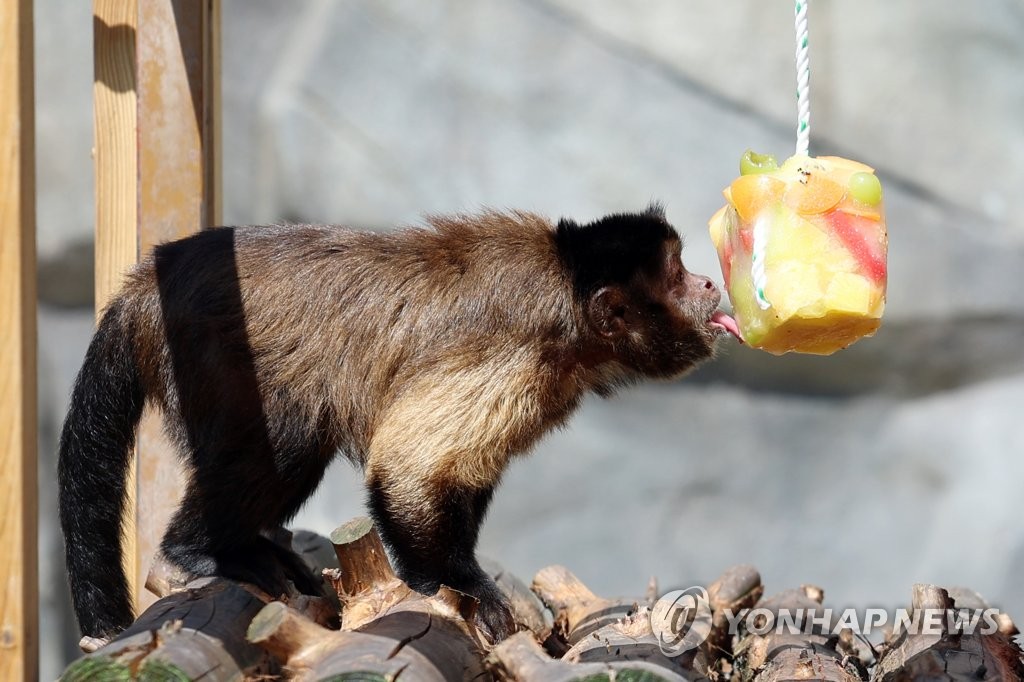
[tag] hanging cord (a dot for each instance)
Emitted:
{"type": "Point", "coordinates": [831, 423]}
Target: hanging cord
{"type": "Point", "coordinates": [757, 264]}
{"type": "Point", "coordinates": [803, 141]}
{"type": "Point", "coordinates": [803, 81]}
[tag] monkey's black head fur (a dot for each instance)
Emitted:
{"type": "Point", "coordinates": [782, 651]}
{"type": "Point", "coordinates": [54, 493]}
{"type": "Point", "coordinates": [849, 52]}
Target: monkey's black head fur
{"type": "Point", "coordinates": [612, 250]}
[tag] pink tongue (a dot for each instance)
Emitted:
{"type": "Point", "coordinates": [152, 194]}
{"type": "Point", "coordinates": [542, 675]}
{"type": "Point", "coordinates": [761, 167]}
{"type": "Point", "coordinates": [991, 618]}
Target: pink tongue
{"type": "Point", "coordinates": [728, 322]}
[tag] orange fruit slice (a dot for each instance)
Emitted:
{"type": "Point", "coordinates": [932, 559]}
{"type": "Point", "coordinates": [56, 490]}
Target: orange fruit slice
{"type": "Point", "coordinates": [859, 210]}
{"type": "Point", "coordinates": [815, 193]}
{"type": "Point", "coordinates": [751, 193]}
{"type": "Point", "coordinates": [847, 165]}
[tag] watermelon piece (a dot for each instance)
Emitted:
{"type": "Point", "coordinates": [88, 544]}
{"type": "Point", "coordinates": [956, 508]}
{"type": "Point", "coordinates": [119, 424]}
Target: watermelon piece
{"type": "Point", "coordinates": [860, 237]}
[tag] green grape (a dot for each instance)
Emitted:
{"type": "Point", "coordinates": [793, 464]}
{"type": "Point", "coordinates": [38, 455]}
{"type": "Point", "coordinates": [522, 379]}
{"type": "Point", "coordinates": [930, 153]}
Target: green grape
{"type": "Point", "coordinates": [752, 162]}
{"type": "Point", "coordinates": [865, 188]}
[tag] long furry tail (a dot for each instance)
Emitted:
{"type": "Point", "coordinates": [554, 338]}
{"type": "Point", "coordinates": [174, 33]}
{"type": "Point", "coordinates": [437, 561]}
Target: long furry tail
{"type": "Point", "coordinates": [96, 445]}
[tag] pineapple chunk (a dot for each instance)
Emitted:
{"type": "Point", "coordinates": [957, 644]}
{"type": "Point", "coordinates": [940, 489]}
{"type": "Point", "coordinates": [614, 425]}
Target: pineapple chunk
{"type": "Point", "coordinates": [849, 293]}
{"type": "Point", "coordinates": [717, 227]}
{"type": "Point", "coordinates": [794, 288]}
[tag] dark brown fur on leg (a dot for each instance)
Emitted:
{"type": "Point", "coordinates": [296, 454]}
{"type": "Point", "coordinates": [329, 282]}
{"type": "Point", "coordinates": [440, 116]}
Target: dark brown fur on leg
{"type": "Point", "coordinates": [434, 544]}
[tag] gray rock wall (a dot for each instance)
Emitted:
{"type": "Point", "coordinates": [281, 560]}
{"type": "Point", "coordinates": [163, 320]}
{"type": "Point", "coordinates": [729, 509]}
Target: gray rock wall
{"type": "Point", "coordinates": [891, 463]}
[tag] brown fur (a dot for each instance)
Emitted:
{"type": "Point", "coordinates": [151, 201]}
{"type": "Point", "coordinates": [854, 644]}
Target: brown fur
{"type": "Point", "coordinates": [395, 318]}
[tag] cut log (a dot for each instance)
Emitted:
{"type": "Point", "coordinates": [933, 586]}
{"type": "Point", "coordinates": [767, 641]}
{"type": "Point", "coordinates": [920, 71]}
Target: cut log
{"type": "Point", "coordinates": [737, 589]}
{"type": "Point", "coordinates": [436, 632]}
{"type": "Point", "coordinates": [577, 611]}
{"type": "Point", "coordinates": [365, 583]}
{"type": "Point", "coordinates": [438, 629]}
{"type": "Point", "coordinates": [527, 610]}
{"type": "Point", "coordinates": [387, 628]}
{"type": "Point", "coordinates": [162, 633]}
{"type": "Point", "coordinates": [362, 560]}
{"type": "Point", "coordinates": [602, 630]}
{"type": "Point", "coordinates": [216, 629]}
{"type": "Point", "coordinates": [950, 638]}
{"type": "Point", "coordinates": [418, 646]}
{"type": "Point", "coordinates": [196, 633]}
{"type": "Point", "coordinates": [812, 649]}
{"type": "Point", "coordinates": [520, 659]}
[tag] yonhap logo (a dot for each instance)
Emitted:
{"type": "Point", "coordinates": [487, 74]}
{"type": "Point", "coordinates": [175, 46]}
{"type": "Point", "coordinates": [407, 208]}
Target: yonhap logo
{"type": "Point", "coordinates": [681, 620]}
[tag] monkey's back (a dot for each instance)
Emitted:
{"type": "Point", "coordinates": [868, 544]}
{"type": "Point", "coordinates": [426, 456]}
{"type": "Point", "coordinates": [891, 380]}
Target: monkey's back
{"type": "Point", "coordinates": [315, 329]}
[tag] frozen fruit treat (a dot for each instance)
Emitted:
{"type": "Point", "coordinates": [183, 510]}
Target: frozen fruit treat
{"type": "Point", "coordinates": [803, 251]}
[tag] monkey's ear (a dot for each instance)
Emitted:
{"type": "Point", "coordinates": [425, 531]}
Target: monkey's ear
{"type": "Point", "coordinates": [607, 312]}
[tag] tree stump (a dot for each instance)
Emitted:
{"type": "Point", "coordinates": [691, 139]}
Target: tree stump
{"type": "Point", "coordinates": [951, 649]}
{"type": "Point", "coordinates": [196, 633]}
{"type": "Point", "coordinates": [797, 652]}
{"type": "Point", "coordinates": [387, 628]}
{"type": "Point", "coordinates": [197, 629]}
{"type": "Point", "coordinates": [737, 589]}
{"type": "Point", "coordinates": [417, 645]}
{"type": "Point", "coordinates": [600, 630]}
{"type": "Point", "coordinates": [577, 611]}
{"type": "Point", "coordinates": [216, 629]}
{"type": "Point", "coordinates": [527, 609]}
{"type": "Point", "coordinates": [520, 659]}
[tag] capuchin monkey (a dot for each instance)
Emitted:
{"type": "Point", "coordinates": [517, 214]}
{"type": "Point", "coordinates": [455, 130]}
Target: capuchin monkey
{"type": "Point", "coordinates": [430, 357]}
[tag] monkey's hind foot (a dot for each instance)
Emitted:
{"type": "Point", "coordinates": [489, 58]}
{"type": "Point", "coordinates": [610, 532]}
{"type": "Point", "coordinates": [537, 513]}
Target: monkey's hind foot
{"type": "Point", "coordinates": [271, 567]}
{"type": "Point", "coordinates": [494, 618]}
{"type": "Point", "coordinates": [263, 563]}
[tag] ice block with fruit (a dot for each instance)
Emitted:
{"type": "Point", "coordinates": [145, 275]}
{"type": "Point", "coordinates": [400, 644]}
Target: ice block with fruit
{"type": "Point", "coordinates": [803, 251]}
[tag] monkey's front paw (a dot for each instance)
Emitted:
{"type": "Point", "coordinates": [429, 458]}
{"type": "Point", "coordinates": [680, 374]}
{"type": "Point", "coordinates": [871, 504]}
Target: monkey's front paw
{"type": "Point", "coordinates": [494, 618]}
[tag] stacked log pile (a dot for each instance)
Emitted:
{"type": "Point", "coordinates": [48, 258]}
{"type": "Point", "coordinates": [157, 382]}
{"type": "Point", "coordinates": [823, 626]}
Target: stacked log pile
{"type": "Point", "coordinates": [380, 629]}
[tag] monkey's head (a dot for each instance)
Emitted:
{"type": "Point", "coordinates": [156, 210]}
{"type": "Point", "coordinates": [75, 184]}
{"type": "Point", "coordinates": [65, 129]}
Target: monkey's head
{"type": "Point", "coordinates": [644, 310]}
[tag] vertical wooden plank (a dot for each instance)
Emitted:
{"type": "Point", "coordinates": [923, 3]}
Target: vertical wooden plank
{"type": "Point", "coordinates": [19, 595]}
{"type": "Point", "coordinates": [177, 52]}
{"type": "Point", "coordinates": [212, 115]}
{"type": "Point", "coordinates": [115, 143]}
{"type": "Point", "coordinates": [157, 112]}
{"type": "Point", "coordinates": [115, 165]}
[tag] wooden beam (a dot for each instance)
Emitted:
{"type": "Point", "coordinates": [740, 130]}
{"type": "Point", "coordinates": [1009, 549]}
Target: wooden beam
{"type": "Point", "coordinates": [114, 154]}
{"type": "Point", "coordinates": [115, 167]}
{"type": "Point", "coordinates": [164, 181]}
{"type": "Point", "coordinates": [178, 54]}
{"type": "Point", "coordinates": [19, 592]}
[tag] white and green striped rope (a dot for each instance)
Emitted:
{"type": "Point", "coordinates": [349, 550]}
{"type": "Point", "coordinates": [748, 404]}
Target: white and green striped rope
{"type": "Point", "coordinates": [757, 262]}
{"type": "Point", "coordinates": [803, 143]}
{"type": "Point", "coordinates": [803, 81]}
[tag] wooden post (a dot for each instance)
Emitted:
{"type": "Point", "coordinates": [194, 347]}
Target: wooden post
{"type": "Point", "coordinates": [114, 158]}
{"type": "Point", "coordinates": [157, 179]}
{"type": "Point", "coordinates": [19, 592]}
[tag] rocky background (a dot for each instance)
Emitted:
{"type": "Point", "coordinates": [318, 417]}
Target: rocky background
{"type": "Point", "coordinates": [897, 461]}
